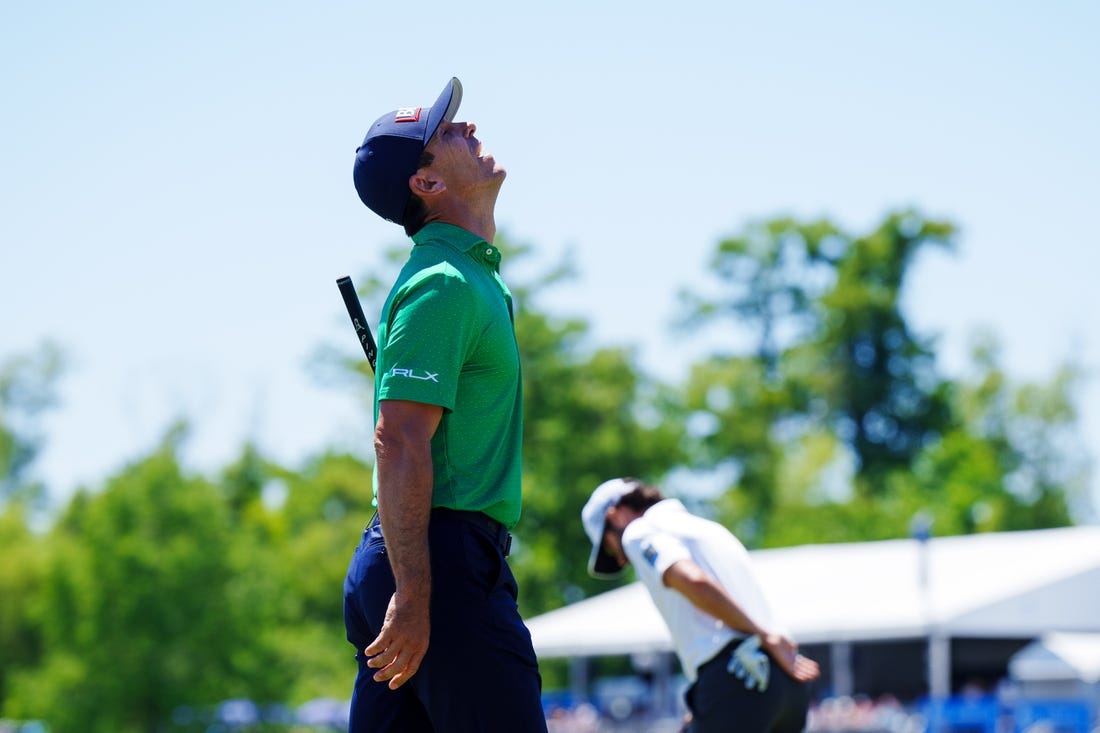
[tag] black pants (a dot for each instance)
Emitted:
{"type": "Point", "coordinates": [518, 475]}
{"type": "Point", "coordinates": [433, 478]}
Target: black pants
{"type": "Point", "coordinates": [480, 674]}
{"type": "Point", "coordinates": [719, 701]}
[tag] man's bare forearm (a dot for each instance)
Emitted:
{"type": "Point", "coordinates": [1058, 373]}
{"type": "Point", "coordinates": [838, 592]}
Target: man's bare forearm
{"type": "Point", "coordinates": [404, 466]}
{"type": "Point", "coordinates": [404, 509]}
{"type": "Point", "coordinates": [705, 594]}
{"type": "Point", "coordinates": [709, 597]}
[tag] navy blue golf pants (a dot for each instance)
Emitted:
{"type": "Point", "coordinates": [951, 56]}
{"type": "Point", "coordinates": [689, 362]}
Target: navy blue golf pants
{"type": "Point", "coordinates": [480, 673]}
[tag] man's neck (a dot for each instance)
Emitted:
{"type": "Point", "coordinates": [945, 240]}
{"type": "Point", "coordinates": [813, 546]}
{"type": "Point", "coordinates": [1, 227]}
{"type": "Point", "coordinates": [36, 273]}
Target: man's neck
{"type": "Point", "coordinates": [483, 226]}
{"type": "Point", "coordinates": [477, 216]}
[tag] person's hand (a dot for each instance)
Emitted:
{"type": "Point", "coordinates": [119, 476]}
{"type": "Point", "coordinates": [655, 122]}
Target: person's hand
{"type": "Point", "coordinates": [750, 664]}
{"type": "Point", "coordinates": [785, 653]}
{"type": "Point", "coordinates": [401, 644]}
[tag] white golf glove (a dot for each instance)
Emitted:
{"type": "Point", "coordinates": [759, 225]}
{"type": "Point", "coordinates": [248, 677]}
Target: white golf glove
{"type": "Point", "coordinates": [750, 664]}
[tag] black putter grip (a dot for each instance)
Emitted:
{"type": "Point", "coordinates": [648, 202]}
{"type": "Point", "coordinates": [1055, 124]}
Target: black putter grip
{"type": "Point", "coordinates": [358, 320]}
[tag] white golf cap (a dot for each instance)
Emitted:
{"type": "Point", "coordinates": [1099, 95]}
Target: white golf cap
{"type": "Point", "coordinates": [606, 495]}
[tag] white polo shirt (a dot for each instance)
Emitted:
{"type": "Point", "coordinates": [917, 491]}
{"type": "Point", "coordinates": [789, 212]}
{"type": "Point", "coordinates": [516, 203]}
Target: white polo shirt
{"type": "Point", "coordinates": [667, 533]}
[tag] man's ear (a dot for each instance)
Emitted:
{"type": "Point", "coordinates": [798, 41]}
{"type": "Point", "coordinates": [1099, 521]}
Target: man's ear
{"type": "Point", "coordinates": [425, 183]}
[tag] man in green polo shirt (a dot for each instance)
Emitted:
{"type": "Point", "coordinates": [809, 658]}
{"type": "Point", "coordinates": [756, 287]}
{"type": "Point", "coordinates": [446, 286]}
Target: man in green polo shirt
{"type": "Point", "coordinates": [429, 599]}
{"type": "Point", "coordinates": [447, 327]}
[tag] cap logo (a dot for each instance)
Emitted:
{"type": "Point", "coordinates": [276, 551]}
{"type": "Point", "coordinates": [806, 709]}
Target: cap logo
{"type": "Point", "coordinates": [407, 114]}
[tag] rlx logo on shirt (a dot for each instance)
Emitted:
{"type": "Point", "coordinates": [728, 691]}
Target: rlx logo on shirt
{"type": "Point", "coordinates": [412, 374]}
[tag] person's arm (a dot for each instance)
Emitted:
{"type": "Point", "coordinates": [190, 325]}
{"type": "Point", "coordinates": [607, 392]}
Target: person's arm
{"type": "Point", "coordinates": [687, 578]}
{"type": "Point", "coordinates": [402, 443]}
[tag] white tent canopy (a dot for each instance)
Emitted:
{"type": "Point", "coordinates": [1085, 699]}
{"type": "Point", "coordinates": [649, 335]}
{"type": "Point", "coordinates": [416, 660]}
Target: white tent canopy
{"type": "Point", "coordinates": [1009, 584]}
{"type": "Point", "coordinates": [1058, 656]}
{"type": "Point", "coordinates": [621, 621]}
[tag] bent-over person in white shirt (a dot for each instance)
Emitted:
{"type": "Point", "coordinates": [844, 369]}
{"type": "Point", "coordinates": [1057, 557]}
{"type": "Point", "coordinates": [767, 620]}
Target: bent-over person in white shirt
{"type": "Point", "coordinates": [745, 671]}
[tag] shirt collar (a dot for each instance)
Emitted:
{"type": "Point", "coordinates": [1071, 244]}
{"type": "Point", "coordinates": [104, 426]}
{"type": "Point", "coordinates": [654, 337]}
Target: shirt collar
{"type": "Point", "coordinates": [667, 505]}
{"type": "Point", "coordinates": [461, 239]}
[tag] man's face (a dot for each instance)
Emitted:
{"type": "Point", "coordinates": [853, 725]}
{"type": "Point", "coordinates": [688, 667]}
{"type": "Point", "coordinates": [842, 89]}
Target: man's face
{"type": "Point", "coordinates": [613, 544]}
{"type": "Point", "coordinates": [460, 160]}
{"type": "Point", "coordinates": [615, 521]}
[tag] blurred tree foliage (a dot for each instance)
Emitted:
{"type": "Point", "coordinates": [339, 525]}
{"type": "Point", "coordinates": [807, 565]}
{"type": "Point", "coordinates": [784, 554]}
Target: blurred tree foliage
{"type": "Point", "coordinates": [834, 421]}
{"type": "Point", "coordinates": [820, 417]}
{"type": "Point", "coordinates": [27, 389]}
{"type": "Point", "coordinates": [151, 600]}
{"type": "Point", "coordinates": [22, 577]}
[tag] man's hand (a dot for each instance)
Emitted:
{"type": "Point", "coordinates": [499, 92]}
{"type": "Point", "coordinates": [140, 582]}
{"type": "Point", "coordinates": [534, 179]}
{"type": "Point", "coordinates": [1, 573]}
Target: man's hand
{"type": "Point", "coordinates": [785, 653]}
{"type": "Point", "coordinates": [750, 664]}
{"type": "Point", "coordinates": [400, 647]}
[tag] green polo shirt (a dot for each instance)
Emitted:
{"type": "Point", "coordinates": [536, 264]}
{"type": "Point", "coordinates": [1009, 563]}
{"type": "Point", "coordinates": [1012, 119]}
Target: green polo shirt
{"type": "Point", "coordinates": [446, 338]}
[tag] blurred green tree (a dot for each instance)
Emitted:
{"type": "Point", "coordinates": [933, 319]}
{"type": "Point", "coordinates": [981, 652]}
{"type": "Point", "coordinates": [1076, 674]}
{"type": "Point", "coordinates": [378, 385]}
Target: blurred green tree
{"type": "Point", "coordinates": [886, 398]}
{"type": "Point", "coordinates": [828, 414]}
{"type": "Point", "coordinates": [1014, 459]}
{"type": "Point", "coordinates": [22, 574]}
{"type": "Point", "coordinates": [151, 601]}
{"type": "Point", "coordinates": [27, 388]}
{"type": "Point", "coordinates": [327, 505]}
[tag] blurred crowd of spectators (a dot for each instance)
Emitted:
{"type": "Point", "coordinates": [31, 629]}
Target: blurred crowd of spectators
{"type": "Point", "coordinates": [863, 715]}
{"type": "Point", "coordinates": [832, 715]}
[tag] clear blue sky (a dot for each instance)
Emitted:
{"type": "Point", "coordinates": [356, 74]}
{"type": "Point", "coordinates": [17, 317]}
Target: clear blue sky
{"type": "Point", "coordinates": [177, 201]}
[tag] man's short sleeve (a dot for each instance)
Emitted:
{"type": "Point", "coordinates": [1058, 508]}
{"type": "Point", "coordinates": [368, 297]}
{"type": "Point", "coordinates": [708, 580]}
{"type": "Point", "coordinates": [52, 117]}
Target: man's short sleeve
{"type": "Point", "coordinates": [427, 338]}
{"type": "Point", "coordinates": [652, 552]}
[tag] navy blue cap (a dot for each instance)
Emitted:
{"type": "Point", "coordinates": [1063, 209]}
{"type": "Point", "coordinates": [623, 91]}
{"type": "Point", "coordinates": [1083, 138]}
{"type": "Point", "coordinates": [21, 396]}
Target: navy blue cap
{"type": "Point", "coordinates": [391, 150]}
